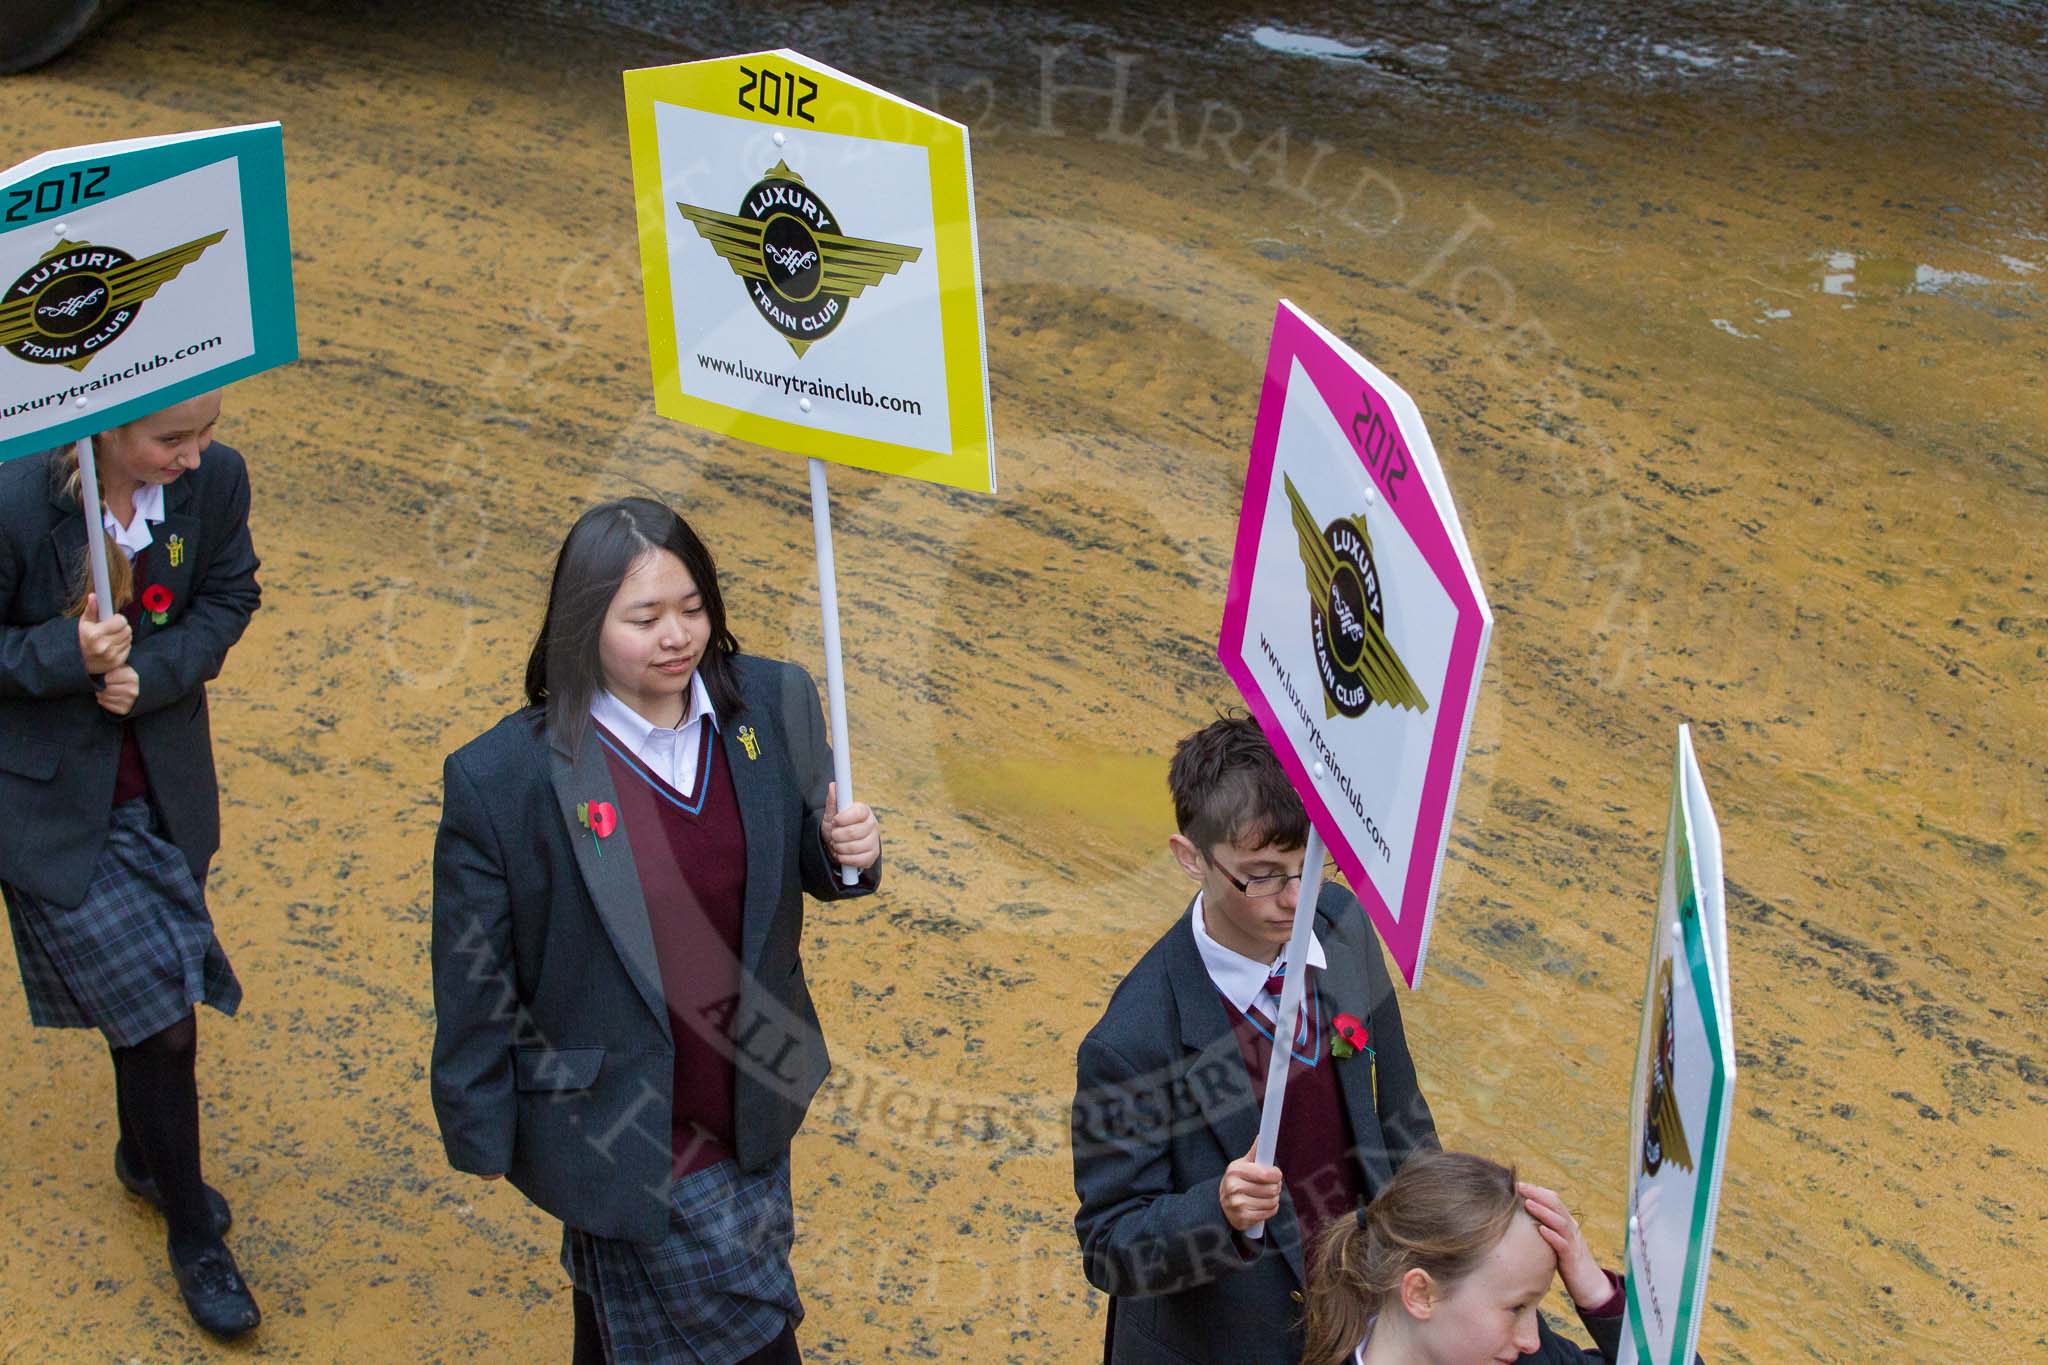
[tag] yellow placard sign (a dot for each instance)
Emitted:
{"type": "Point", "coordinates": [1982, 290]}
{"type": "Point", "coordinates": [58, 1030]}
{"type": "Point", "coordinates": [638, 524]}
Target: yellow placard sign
{"type": "Point", "coordinates": [808, 250]}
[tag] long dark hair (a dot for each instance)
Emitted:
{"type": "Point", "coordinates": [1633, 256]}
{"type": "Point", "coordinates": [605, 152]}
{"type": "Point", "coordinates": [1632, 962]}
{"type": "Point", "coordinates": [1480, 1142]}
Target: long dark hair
{"type": "Point", "coordinates": [1443, 1212]}
{"type": "Point", "coordinates": [563, 673]}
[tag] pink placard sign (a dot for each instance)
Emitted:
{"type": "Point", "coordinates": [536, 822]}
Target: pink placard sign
{"type": "Point", "coordinates": [1355, 625]}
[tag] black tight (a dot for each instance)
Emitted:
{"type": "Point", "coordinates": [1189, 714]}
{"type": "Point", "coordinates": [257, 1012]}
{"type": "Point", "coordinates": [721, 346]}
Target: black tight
{"type": "Point", "coordinates": [589, 1346]}
{"type": "Point", "coordinates": [781, 1351]}
{"type": "Point", "coordinates": [159, 1104]}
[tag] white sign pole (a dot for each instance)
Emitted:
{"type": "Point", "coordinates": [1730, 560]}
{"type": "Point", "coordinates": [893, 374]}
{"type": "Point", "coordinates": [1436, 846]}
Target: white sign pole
{"type": "Point", "coordinates": [95, 532]}
{"type": "Point", "coordinates": [835, 674]}
{"type": "Point", "coordinates": [1291, 991]}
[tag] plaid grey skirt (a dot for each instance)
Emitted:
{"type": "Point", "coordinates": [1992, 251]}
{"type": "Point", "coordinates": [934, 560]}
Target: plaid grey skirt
{"type": "Point", "coordinates": [136, 955]}
{"type": "Point", "coordinates": [714, 1291]}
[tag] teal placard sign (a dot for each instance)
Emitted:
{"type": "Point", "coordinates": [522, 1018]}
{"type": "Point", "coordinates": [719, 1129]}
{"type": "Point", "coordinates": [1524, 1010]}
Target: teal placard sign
{"type": "Point", "coordinates": [136, 274]}
{"type": "Point", "coordinates": [1684, 1086]}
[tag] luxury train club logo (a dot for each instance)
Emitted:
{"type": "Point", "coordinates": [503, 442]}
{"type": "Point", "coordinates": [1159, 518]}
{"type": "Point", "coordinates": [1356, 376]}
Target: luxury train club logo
{"type": "Point", "coordinates": [1663, 1132]}
{"type": "Point", "coordinates": [786, 247]}
{"type": "Point", "coordinates": [68, 306]}
{"type": "Point", "coordinates": [1348, 618]}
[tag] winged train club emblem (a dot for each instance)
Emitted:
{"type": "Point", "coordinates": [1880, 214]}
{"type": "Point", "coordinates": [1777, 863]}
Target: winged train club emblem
{"type": "Point", "coordinates": [799, 269]}
{"type": "Point", "coordinates": [1663, 1132]}
{"type": "Point", "coordinates": [1348, 618]}
{"type": "Point", "coordinates": [68, 306]}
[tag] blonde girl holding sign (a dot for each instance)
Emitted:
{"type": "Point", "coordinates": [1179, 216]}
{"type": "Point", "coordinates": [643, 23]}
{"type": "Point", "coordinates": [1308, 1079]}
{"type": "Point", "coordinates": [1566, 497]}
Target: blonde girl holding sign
{"type": "Point", "coordinates": [112, 810]}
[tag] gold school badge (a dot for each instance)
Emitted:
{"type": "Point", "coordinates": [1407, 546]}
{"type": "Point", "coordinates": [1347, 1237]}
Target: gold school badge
{"type": "Point", "coordinates": [798, 268]}
{"type": "Point", "coordinates": [1663, 1130]}
{"type": "Point", "coordinates": [1347, 617]}
{"type": "Point", "coordinates": [78, 298]}
{"type": "Point", "coordinates": [176, 547]}
{"type": "Point", "coordinates": [750, 742]}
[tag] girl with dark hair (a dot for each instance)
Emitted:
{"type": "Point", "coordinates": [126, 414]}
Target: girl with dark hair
{"type": "Point", "coordinates": [112, 811]}
{"type": "Point", "coordinates": [1447, 1266]}
{"type": "Point", "coordinates": [622, 1025]}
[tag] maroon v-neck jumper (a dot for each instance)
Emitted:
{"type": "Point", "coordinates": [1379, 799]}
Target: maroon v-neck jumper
{"type": "Point", "coordinates": [691, 855]}
{"type": "Point", "coordinates": [1314, 1148]}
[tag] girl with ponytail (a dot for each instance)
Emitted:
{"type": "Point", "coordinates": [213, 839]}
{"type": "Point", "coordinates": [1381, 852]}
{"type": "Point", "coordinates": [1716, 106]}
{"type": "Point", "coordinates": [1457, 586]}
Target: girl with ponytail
{"type": "Point", "coordinates": [112, 811]}
{"type": "Point", "coordinates": [1447, 1266]}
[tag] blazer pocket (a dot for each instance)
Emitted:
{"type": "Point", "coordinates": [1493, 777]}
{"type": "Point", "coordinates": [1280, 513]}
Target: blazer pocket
{"type": "Point", "coordinates": [30, 758]}
{"type": "Point", "coordinates": [1141, 1325]}
{"type": "Point", "coordinates": [556, 1068]}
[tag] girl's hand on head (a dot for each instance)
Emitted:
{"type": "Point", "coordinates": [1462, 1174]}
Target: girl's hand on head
{"type": "Point", "coordinates": [103, 644]}
{"type": "Point", "coordinates": [122, 688]}
{"type": "Point", "coordinates": [851, 836]}
{"type": "Point", "coordinates": [1583, 1278]}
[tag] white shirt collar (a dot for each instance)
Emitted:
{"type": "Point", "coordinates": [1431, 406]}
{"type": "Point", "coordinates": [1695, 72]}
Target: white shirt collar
{"type": "Point", "coordinates": [135, 537]}
{"type": "Point", "coordinates": [1241, 979]}
{"type": "Point", "coordinates": [638, 732]}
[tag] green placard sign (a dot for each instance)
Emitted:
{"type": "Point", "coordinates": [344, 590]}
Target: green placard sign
{"type": "Point", "coordinates": [136, 274]}
{"type": "Point", "coordinates": [1684, 1087]}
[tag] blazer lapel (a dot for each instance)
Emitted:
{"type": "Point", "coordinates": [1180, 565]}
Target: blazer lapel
{"type": "Point", "coordinates": [1223, 1087]}
{"type": "Point", "coordinates": [608, 871]}
{"type": "Point", "coordinates": [67, 537]}
{"type": "Point", "coordinates": [168, 562]}
{"type": "Point", "coordinates": [172, 546]}
{"type": "Point", "coordinates": [756, 782]}
{"type": "Point", "coordinates": [1346, 991]}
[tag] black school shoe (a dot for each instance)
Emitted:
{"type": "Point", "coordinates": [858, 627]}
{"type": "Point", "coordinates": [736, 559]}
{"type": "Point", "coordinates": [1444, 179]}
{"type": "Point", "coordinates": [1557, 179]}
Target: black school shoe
{"type": "Point", "coordinates": [144, 1187]}
{"type": "Point", "coordinates": [215, 1294]}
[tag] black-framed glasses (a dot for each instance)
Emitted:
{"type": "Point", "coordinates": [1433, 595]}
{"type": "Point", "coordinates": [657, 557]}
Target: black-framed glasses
{"type": "Point", "coordinates": [1262, 888]}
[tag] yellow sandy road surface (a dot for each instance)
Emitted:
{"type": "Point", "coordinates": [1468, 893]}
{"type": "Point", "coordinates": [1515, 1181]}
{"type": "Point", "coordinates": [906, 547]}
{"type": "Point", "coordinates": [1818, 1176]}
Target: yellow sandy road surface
{"type": "Point", "coordinates": [1706, 480]}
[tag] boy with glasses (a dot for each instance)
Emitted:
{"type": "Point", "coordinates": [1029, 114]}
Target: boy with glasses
{"type": "Point", "coordinates": [1166, 1112]}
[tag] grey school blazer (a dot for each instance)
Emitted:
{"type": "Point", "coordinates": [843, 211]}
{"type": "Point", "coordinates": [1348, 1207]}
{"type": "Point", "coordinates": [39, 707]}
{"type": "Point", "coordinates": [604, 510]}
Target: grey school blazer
{"type": "Point", "coordinates": [58, 749]}
{"type": "Point", "coordinates": [553, 1062]}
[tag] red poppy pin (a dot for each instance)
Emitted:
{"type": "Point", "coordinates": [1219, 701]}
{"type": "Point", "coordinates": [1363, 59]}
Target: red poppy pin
{"type": "Point", "coordinates": [1349, 1037]}
{"type": "Point", "coordinates": [156, 600]}
{"type": "Point", "coordinates": [600, 818]}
